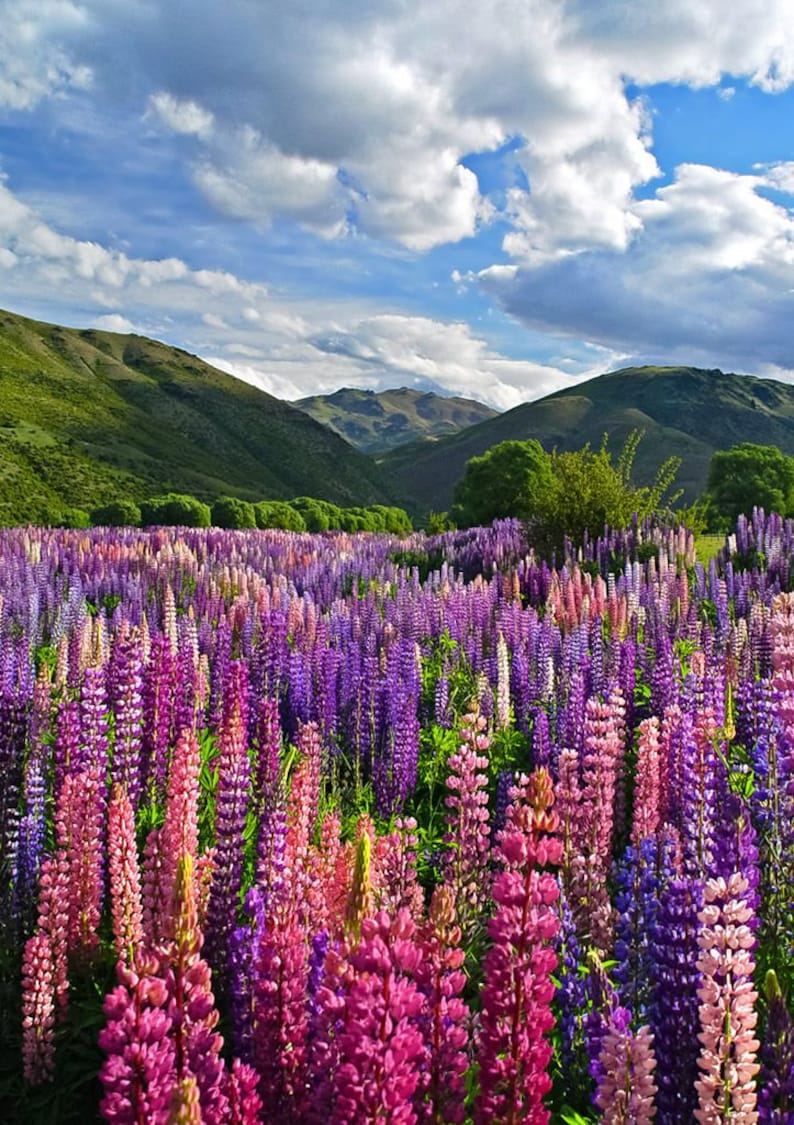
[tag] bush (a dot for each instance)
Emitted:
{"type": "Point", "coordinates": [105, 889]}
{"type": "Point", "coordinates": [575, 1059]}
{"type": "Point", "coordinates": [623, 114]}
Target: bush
{"type": "Point", "coordinates": [175, 510]}
{"type": "Point", "coordinates": [280, 514]}
{"type": "Point", "coordinates": [315, 513]}
{"type": "Point", "coordinates": [231, 512]}
{"type": "Point", "coordinates": [396, 521]}
{"type": "Point", "coordinates": [118, 513]}
{"type": "Point", "coordinates": [71, 517]}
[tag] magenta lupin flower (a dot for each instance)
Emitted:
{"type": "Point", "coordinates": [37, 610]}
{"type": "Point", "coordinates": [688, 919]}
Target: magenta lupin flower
{"type": "Point", "coordinates": [466, 841]}
{"type": "Point", "coordinates": [38, 1010]}
{"type": "Point", "coordinates": [281, 976]}
{"type": "Point", "coordinates": [124, 875]}
{"type": "Point", "coordinates": [380, 1048]}
{"type": "Point", "coordinates": [727, 1088]}
{"type": "Point", "coordinates": [626, 1064]}
{"type": "Point", "coordinates": [242, 1094]}
{"type": "Point", "coordinates": [139, 1073]}
{"type": "Point", "coordinates": [511, 1046]}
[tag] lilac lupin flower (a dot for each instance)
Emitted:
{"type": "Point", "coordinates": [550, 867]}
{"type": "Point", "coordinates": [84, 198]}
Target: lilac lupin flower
{"type": "Point", "coordinates": [626, 1090]}
{"type": "Point", "coordinates": [467, 837]}
{"type": "Point", "coordinates": [234, 774]}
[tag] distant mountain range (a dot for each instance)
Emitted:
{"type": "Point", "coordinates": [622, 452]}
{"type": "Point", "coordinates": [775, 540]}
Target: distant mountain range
{"type": "Point", "coordinates": [377, 421]}
{"type": "Point", "coordinates": [87, 416]}
{"type": "Point", "coordinates": [685, 411]}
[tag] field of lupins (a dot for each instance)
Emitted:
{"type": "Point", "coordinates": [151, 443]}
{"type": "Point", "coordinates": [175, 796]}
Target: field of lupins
{"type": "Point", "coordinates": [348, 830]}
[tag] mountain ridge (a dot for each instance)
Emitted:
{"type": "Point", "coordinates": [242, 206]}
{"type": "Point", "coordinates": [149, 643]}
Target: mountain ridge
{"type": "Point", "coordinates": [685, 411]}
{"type": "Point", "coordinates": [88, 415]}
{"type": "Point", "coordinates": [377, 421]}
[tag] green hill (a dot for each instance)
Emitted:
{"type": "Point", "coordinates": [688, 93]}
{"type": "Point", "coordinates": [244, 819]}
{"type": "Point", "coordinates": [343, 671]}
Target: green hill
{"type": "Point", "coordinates": [686, 411]}
{"type": "Point", "coordinates": [375, 422]}
{"type": "Point", "coordinates": [87, 416]}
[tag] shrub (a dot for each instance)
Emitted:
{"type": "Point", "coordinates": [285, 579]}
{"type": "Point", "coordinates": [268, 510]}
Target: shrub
{"type": "Point", "coordinates": [175, 510]}
{"type": "Point", "coordinates": [278, 513]}
{"type": "Point", "coordinates": [231, 512]}
{"type": "Point", "coordinates": [118, 513]}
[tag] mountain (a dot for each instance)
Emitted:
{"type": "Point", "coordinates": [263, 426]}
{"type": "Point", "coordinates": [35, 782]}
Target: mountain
{"type": "Point", "coordinates": [686, 411]}
{"type": "Point", "coordinates": [375, 422]}
{"type": "Point", "coordinates": [87, 416]}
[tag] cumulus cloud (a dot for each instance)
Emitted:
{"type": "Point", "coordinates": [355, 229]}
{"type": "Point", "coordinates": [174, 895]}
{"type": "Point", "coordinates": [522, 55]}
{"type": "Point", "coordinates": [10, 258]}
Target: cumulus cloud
{"type": "Point", "coordinates": [358, 121]}
{"type": "Point", "coordinates": [361, 115]}
{"type": "Point", "coordinates": [708, 277]}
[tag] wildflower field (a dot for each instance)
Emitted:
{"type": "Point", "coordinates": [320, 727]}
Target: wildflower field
{"type": "Point", "coordinates": [348, 829]}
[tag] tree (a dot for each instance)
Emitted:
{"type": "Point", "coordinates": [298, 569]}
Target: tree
{"type": "Point", "coordinates": [175, 509]}
{"type": "Point", "coordinates": [508, 480]}
{"type": "Point", "coordinates": [231, 512]}
{"type": "Point", "coordinates": [747, 476]}
{"type": "Point", "coordinates": [396, 521]}
{"type": "Point", "coordinates": [118, 513]}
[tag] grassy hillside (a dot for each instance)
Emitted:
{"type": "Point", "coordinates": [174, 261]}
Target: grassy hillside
{"type": "Point", "coordinates": [378, 421]}
{"type": "Point", "coordinates": [86, 416]}
{"type": "Point", "coordinates": [684, 411]}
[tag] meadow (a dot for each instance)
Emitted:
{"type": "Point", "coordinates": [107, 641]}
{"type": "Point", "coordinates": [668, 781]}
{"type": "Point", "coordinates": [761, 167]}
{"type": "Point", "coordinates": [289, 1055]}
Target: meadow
{"type": "Point", "coordinates": [347, 828]}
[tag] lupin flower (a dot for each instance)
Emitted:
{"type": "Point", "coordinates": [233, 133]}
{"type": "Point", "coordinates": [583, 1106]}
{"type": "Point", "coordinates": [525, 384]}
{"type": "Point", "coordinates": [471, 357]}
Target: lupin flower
{"type": "Point", "coordinates": [124, 875]}
{"type": "Point", "coordinates": [38, 1010]}
{"type": "Point", "coordinates": [380, 1049]}
{"type": "Point", "coordinates": [467, 838]}
{"type": "Point", "coordinates": [625, 1093]}
{"type": "Point", "coordinates": [445, 1020]}
{"type": "Point", "coordinates": [512, 1048]}
{"type": "Point", "coordinates": [726, 1087]}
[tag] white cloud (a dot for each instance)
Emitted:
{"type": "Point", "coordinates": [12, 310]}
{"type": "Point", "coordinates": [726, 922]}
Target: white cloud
{"type": "Point", "coordinates": [708, 278]}
{"type": "Point", "coordinates": [181, 116]}
{"type": "Point", "coordinates": [113, 322]}
{"type": "Point", "coordinates": [361, 114]}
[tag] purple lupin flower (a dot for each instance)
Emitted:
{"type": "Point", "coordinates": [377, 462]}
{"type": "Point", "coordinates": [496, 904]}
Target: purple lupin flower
{"type": "Point", "coordinates": [675, 979]}
{"type": "Point", "coordinates": [234, 775]}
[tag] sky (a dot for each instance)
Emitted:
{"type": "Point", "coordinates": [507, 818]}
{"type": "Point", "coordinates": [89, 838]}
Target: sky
{"type": "Point", "coordinates": [496, 199]}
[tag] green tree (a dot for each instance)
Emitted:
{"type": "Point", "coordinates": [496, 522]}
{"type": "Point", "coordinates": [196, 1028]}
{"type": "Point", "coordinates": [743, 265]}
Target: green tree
{"type": "Point", "coordinates": [118, 513]}
{"type": "Point", "coordinates": [748, 475]}
{"type": "Point", "coordinates": [175, 509]}
{"type": "Point", "coordinates": [508, 480]}
{"type": "Point", "coordinates": [280, 514]}
{"type": "Point", "coordinates": [231, 512]}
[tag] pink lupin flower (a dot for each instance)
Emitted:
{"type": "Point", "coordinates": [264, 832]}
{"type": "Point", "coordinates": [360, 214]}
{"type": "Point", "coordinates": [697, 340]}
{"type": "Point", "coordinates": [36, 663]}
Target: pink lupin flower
{"type": "Point", "coordinates": [467, 855]}
{"type": "Point", "coordinates": [38, 1010]}
{"type": "Point", "coordinates": [79, 832]}
{"type": "Point", "coordinates": [626, 1089]}
{"type": "Point", "coordinates": [395, 858]}
{"type": "Point", "coordinates": [512, 1048]}
{"type": "Point", "coordinates": [647, 789]}
{"type": "Point", "coordinates": [124, 875]}
{"type": "Point", "coordinates": [441, 979]}
{"type": "Point", "coordinates": [241, 1093]}
{"type": "Point", "coordinates": [53, 922]}
{"type": "Point", "coordinates": [727, 1087]}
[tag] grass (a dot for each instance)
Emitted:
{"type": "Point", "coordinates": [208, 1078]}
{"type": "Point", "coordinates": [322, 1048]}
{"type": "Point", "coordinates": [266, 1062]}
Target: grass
{"type": "Point", "coordinates": [707, 546]}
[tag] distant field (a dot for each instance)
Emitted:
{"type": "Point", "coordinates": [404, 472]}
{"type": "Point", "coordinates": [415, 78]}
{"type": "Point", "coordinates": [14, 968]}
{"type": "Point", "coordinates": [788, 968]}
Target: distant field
{"type": "Point", "coordinates": [706, 546]}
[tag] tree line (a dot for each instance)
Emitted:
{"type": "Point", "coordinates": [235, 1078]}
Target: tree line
{"type": "Point", "coordinates": [176, 509]}
{"type": "Point", "coordinates": [572, 493]}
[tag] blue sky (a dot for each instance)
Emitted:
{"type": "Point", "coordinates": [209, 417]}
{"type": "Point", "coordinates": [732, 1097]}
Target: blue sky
{"type": "Point", "coordinates": [492, 200]}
